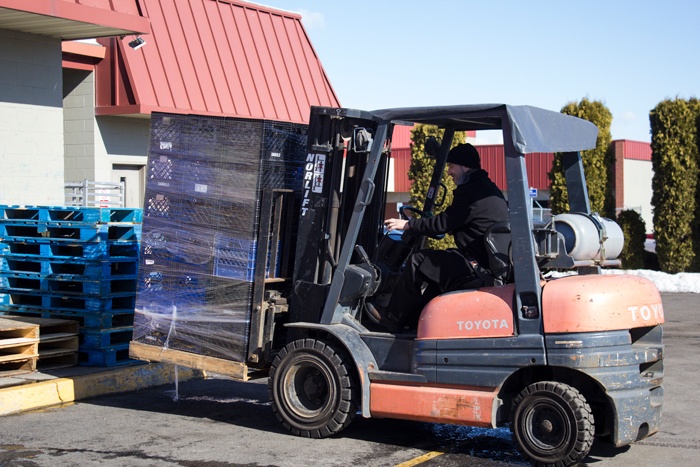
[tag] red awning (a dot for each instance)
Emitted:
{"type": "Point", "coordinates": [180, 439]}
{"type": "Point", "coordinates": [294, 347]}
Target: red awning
{"type": "Point", "coordinates": [70, 19]}
{"type": "Point", "coordinates": [81, 56]}
{"type": "Point", "coordinates": [220, 58]}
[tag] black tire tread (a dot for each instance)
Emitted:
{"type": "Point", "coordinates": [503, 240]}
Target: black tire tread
{"type": "Point", "coordinates": [340, 362]}
{"type": "Point", "coordinates": [582, 412]}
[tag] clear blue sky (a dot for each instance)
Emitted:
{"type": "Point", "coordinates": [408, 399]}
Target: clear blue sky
{"type": "Point", "coordinates": [629, 54]}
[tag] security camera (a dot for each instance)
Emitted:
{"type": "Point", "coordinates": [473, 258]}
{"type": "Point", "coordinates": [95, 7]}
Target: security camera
{"type": "Point", "coordinates": [137, 43]}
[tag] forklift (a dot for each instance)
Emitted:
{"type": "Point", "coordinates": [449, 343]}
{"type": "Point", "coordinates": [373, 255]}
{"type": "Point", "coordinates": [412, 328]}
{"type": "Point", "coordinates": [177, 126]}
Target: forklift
{"type": "Point", "coordinates": [557, 351]}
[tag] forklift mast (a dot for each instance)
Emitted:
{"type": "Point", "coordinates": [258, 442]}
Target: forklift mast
{"type": "Point", "coordinates": [342, 209]}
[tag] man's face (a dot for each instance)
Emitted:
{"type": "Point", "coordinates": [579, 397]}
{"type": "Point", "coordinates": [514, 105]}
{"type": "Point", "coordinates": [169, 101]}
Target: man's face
{"type": "Point", "coordinates": [456, 171]}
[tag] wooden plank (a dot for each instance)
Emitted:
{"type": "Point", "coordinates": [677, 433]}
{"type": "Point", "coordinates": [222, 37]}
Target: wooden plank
{"type": "Point", "coordinates": [57, 361]}
{"type": "Point", "coordinates": [59, 336]}
{"type": "Point", "coordinates": [47, 326]}
{"type": "Point", "coordinates": [56, 358]}
{"type": "Point", "coordinates": [10, 329]}
{"type": "Point", "coordinates": [19, 352]}
{"type": "Point", "coordinates": [49, 353]}
{"type": "Point", "coordinates": [19, 347]}
{"type": "Point", "coordinates": [151, 353]}
{"type": "Point", "coordinates": [69, 344]}
{"type": "Point", "coordinates": [27, 365]}
{"type": "Point", "coordinates": [54, 344]}
{"type": "Point", "coordinates": [16, 341]}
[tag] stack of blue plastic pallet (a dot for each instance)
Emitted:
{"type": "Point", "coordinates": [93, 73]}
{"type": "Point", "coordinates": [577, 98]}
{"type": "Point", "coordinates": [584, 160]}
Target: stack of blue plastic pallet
{"type": "Point", "coordinates": [78, 263]}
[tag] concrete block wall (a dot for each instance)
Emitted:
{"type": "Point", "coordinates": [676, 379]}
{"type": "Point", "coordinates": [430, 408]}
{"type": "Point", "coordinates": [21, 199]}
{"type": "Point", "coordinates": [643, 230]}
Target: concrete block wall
{"type": "Point", "coordinates": [31, 120]}
{"type": "Point", "coordinates": [79, 125]}
{"type": "Point", "coordinates": [120, 140]}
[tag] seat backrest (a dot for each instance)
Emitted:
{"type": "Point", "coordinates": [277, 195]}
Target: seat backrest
{"type": "Point", "coordinates": [498, 246]}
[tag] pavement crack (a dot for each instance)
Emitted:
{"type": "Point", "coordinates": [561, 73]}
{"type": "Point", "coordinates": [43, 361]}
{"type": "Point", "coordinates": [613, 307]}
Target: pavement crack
{"type": "Point", "coordinates": [58, 392]}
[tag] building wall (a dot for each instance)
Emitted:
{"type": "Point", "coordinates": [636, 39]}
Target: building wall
{"type": "Point", "coordinates": [31, 120]}
{"type": "Point", "coordinates": [79, 124]}
{"type": "Point", "coordinates": [123, 139]}
{"type": "Point", "coordinates": [121, 153]}
{"type": "Point", "coordinates": [637, 189]}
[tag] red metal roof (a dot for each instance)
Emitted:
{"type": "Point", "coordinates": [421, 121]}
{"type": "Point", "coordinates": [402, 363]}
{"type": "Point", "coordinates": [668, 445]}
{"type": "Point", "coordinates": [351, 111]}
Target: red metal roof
{"type": "Point", "coordinates": [638, 150]}
{"type": "Point", "coordinates": [71, 19]}
{"type": "Point", "coordinates": [214, 57]}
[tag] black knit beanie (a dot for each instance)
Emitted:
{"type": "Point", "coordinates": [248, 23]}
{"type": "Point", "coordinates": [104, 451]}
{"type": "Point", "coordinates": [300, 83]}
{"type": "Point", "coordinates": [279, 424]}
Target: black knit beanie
{"type": "Point", "coordinates": [466, 155]}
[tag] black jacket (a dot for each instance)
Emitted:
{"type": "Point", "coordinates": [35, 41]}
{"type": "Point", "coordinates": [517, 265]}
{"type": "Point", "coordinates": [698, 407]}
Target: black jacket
{"type": "Point", "coordinates": [476, 205]}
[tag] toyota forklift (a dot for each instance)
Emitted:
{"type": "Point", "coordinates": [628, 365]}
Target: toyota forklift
{"type": "Point", "coordinates": [557, 351]}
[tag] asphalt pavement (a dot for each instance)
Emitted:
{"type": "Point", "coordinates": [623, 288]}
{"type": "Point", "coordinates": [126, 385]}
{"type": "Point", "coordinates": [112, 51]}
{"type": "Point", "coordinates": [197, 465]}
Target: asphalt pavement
{"type": "Point", "coordinates": [221, 422]}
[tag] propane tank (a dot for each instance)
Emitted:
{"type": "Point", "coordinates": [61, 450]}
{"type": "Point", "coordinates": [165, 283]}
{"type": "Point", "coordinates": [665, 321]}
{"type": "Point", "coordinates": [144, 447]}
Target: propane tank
{"type": "Point", "coordinates": [590, 237]}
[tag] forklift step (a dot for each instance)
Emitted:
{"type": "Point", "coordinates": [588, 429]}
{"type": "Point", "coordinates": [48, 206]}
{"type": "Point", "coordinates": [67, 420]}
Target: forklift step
{"type": "Point", "coordinates": [385, 376]}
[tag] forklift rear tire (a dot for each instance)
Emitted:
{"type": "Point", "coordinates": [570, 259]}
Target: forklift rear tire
{"type": "Point", "coordinates": [552, 424]}
{"type": "Point", "coordinates": [313, 388]}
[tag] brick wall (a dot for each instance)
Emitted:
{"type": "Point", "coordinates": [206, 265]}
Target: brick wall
{"type": "Point", "coordinates": [619, 174]}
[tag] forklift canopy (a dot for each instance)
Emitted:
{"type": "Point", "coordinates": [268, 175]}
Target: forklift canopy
{"type": "Point", "coordinates": [532, 129]}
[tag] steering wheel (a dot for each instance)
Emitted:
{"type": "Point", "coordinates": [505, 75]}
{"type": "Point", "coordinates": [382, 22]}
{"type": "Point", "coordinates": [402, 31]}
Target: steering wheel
{"type": "Point", "coordinates": [412, 209]}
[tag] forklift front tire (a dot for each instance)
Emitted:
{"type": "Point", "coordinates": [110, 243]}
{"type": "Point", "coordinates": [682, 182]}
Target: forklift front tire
{"type": "Point", "coordinates": [313, 390]}
{"type": "Point", "coordinates": [552, 424]}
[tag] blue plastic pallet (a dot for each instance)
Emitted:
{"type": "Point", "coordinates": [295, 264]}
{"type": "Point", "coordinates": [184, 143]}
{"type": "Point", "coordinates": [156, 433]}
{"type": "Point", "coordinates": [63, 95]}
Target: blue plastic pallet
{"type": "Point", "coordinates": [68, 249]}
{"type": "Point", "coordinates": [87, 320]}
{"type": "Point", "coordinates": [113, 356]}
{"type": "Point", "coordinates": [15, 301]}
{"type": "Point", "coordinates": [72, 214]}
{"type": "Point", "coordinates": [11, 282]}
{"type": "Point", "coordinates": [16, 231]}
{"type": "Point", "coordinates": [100, 339]}
{"type": "Point", "coordinates": [69, 268]}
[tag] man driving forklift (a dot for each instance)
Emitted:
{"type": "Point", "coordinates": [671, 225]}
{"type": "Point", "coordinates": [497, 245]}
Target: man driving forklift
{"type": "Point", "coordinates": [476, 205]}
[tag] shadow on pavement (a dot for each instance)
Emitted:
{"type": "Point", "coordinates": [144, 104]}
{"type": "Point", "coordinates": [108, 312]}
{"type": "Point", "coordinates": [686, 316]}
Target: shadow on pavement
{"type": "Point", "coordinates": [247, 405]}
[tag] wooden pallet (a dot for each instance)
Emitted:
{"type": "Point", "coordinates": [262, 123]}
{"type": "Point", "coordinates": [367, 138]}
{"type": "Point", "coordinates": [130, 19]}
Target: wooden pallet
{"type": "Point", "coordinates": [58, 340]}
{"type": "Point", "coordinates": [153, 353]}
{"type": "Point", "coordinates": [19, 347]}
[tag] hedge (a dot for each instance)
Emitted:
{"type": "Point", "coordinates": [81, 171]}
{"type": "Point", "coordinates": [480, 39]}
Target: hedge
{"type": "Point", "coordinates": [597, 162]}
{"type": "Point", "coordinates": [634, 230]}
{"type": "Point", "coordinates": [674, 158]}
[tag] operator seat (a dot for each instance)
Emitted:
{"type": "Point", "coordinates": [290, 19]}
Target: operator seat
{"type": "Point", "coordinates": [500, 252]}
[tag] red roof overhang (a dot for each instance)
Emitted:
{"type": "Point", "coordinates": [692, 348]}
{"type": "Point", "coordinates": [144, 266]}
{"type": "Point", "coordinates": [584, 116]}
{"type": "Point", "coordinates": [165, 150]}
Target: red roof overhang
{"type": "Point", "coordinates": [70, 19]}
{"type": "Point", "coordinates": [81, 56]}
{"type": "Point", "coordinates": [219, 58]}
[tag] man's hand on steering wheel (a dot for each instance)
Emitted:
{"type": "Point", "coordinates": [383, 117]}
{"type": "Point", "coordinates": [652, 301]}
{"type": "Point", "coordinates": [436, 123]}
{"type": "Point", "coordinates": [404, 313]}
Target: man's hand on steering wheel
{"type": "Point", "coordinates": [395, 224]}
{"type": "Point", "coordinates": [402, 224]}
